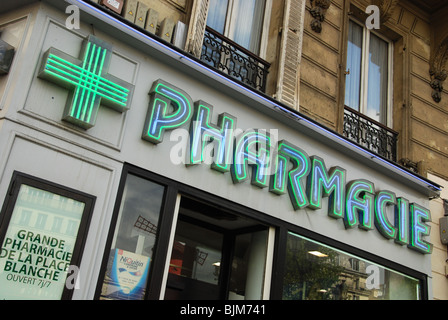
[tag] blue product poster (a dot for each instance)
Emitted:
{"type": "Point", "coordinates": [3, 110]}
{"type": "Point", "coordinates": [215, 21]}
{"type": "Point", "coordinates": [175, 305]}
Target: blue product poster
{"type": "Point", "coordinates": [129, 273]}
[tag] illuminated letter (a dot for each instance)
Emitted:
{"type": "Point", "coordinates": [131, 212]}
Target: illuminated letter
{"type": "Point", "coordinates": [402, 221]}
{"type": "Point", "coordinates": [382, 200]}
{"type": "Point", "coordinates": [360, 202]}
{"type": "Point", "coordinates": [165, 97]}
{"type": "Point", "coordinates": [203, 132]}
{"type": "Point", "coordinates": [278, 181]}
{"type": "Point", "coordinates": [290, 154]}
{"type": "Point", "coordinates": [333, 186]}
{"type": "Point", "coordinates": [419, 229]}
{"type": "Point", "coordinates": [252, 148]}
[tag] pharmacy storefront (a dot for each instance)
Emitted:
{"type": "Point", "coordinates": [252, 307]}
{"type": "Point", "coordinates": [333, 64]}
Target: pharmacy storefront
{"type": "Point", "coordinates": [129, 170]}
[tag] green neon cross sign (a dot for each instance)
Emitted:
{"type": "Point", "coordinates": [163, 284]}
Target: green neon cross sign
{"type": "Point", "coordinates": [88, 81]}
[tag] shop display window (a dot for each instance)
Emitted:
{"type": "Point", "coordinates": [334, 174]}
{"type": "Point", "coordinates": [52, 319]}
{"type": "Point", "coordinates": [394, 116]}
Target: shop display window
{"type": "Point", "coordinates": [314, 271]}
{"type": "Point", "coordinates": [135, 235]}
{"type": "Point", "coordinates": [42, 231]}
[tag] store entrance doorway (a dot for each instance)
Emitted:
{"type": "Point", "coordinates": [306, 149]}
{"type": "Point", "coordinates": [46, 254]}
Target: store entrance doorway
{"type": "Point", "coordinates": [217, 254]}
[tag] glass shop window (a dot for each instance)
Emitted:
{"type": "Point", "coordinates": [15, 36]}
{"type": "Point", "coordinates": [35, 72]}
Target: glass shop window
{"type": "Point", "coordinates": [135, 235]}
{"type": "Point", "coordinates": [42, 234]}
{"type": "Point", "coordinates": [318, 272]}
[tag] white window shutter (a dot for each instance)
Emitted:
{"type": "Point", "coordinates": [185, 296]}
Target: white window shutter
{"type": "Point", "coordinates": [197, 27]}
{"type": "Point", "coordinates": [290, 53]}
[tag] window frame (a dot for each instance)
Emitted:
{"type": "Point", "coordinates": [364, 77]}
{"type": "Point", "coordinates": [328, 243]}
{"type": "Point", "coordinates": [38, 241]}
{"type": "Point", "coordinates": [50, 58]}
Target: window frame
{"type": "Point", "coordinates": [18, 179]}
{"type": "Point", "coordinates": [157, 267]}
{"type": "Point", "coordinates": [363, 94]}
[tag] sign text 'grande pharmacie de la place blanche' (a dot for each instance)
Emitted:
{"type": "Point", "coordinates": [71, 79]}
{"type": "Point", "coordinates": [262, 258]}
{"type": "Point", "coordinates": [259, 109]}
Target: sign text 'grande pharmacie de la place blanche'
{"type": "Point", "coordinates": [280, 166]}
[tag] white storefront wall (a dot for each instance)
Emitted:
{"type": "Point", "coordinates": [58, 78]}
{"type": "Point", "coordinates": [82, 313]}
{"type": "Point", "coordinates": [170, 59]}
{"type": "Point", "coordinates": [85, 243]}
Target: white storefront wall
{"type": "Point", "coordinates": [35, 141]}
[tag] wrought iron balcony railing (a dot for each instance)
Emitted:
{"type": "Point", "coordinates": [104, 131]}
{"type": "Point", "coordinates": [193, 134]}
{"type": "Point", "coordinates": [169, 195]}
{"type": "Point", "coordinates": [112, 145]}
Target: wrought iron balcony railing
{"type": "Point", "coordinates": [370, 134]}
{"type": "Point", "coordinates": [227, 56]}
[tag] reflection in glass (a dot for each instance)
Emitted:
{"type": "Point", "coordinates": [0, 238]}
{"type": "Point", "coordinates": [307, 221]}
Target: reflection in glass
{"type": "Point", "coordinates": [196, 253]}
{"type": "Point", "coordinates": [134, 240]}
{"type": "Point", "coordinates": [317, 272]}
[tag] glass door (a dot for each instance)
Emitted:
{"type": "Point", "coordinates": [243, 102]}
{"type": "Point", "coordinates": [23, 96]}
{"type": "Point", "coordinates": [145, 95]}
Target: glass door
{"type": "Point", "coordinates": [216, 254]}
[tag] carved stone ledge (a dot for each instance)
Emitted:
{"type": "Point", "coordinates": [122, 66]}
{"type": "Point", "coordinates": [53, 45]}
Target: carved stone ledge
{"type": "Point", "coordinates": [437, 71]}
{"type": "Point", "coordinates": [386, 7]}
{"type": "Point", "coordinates": [318, 11]}
{"type": "Point", "coordinates": [417, 167]}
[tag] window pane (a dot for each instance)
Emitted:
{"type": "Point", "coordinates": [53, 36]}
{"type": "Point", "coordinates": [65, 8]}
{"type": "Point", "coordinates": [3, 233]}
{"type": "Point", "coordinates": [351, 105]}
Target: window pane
{"type": "Point", "coordinates": [135, 236]}
{"type": "Point", "coordinates": [247, 23]}
{"type": "Point", "coordinates": [318, 272]}
{"type": "Point", "coordinates": [217, 12]}
{"type": "Point", "coordinates": [378, 79]}
{"type": "Point", "coordinates": [248, 266]}
{"type": "Point", "coordinates": [354, 57]}
{"type": "Point", "coordinates": [37, 250]}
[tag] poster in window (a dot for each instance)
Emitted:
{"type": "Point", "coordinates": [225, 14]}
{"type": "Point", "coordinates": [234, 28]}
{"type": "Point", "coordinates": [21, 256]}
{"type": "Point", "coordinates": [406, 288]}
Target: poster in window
{"type": "Point", "coordinates": [37, 249]}
{"type": "Point", "coordinates": [129, 274]}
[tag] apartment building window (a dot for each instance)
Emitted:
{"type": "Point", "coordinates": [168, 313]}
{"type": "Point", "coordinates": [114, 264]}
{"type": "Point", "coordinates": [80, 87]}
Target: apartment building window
{"type": "Point", "coordinates": [233, 38]}
{"type": "Point", "coordinates": [238, 20]}
{"type": "Point", "coordinates": [367, 87]}
{"type": "Point", "coordinates": [368, 91]}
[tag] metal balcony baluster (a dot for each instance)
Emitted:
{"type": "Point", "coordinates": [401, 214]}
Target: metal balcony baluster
{"type": "Point", "coordinates": [227, 56]}
{"type": "Point", "coordinates": [370, 134]}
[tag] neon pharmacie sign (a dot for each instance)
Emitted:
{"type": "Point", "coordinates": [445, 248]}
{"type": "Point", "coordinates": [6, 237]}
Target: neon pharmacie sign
{"type": "Point", "coordinates": [283, 168]}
